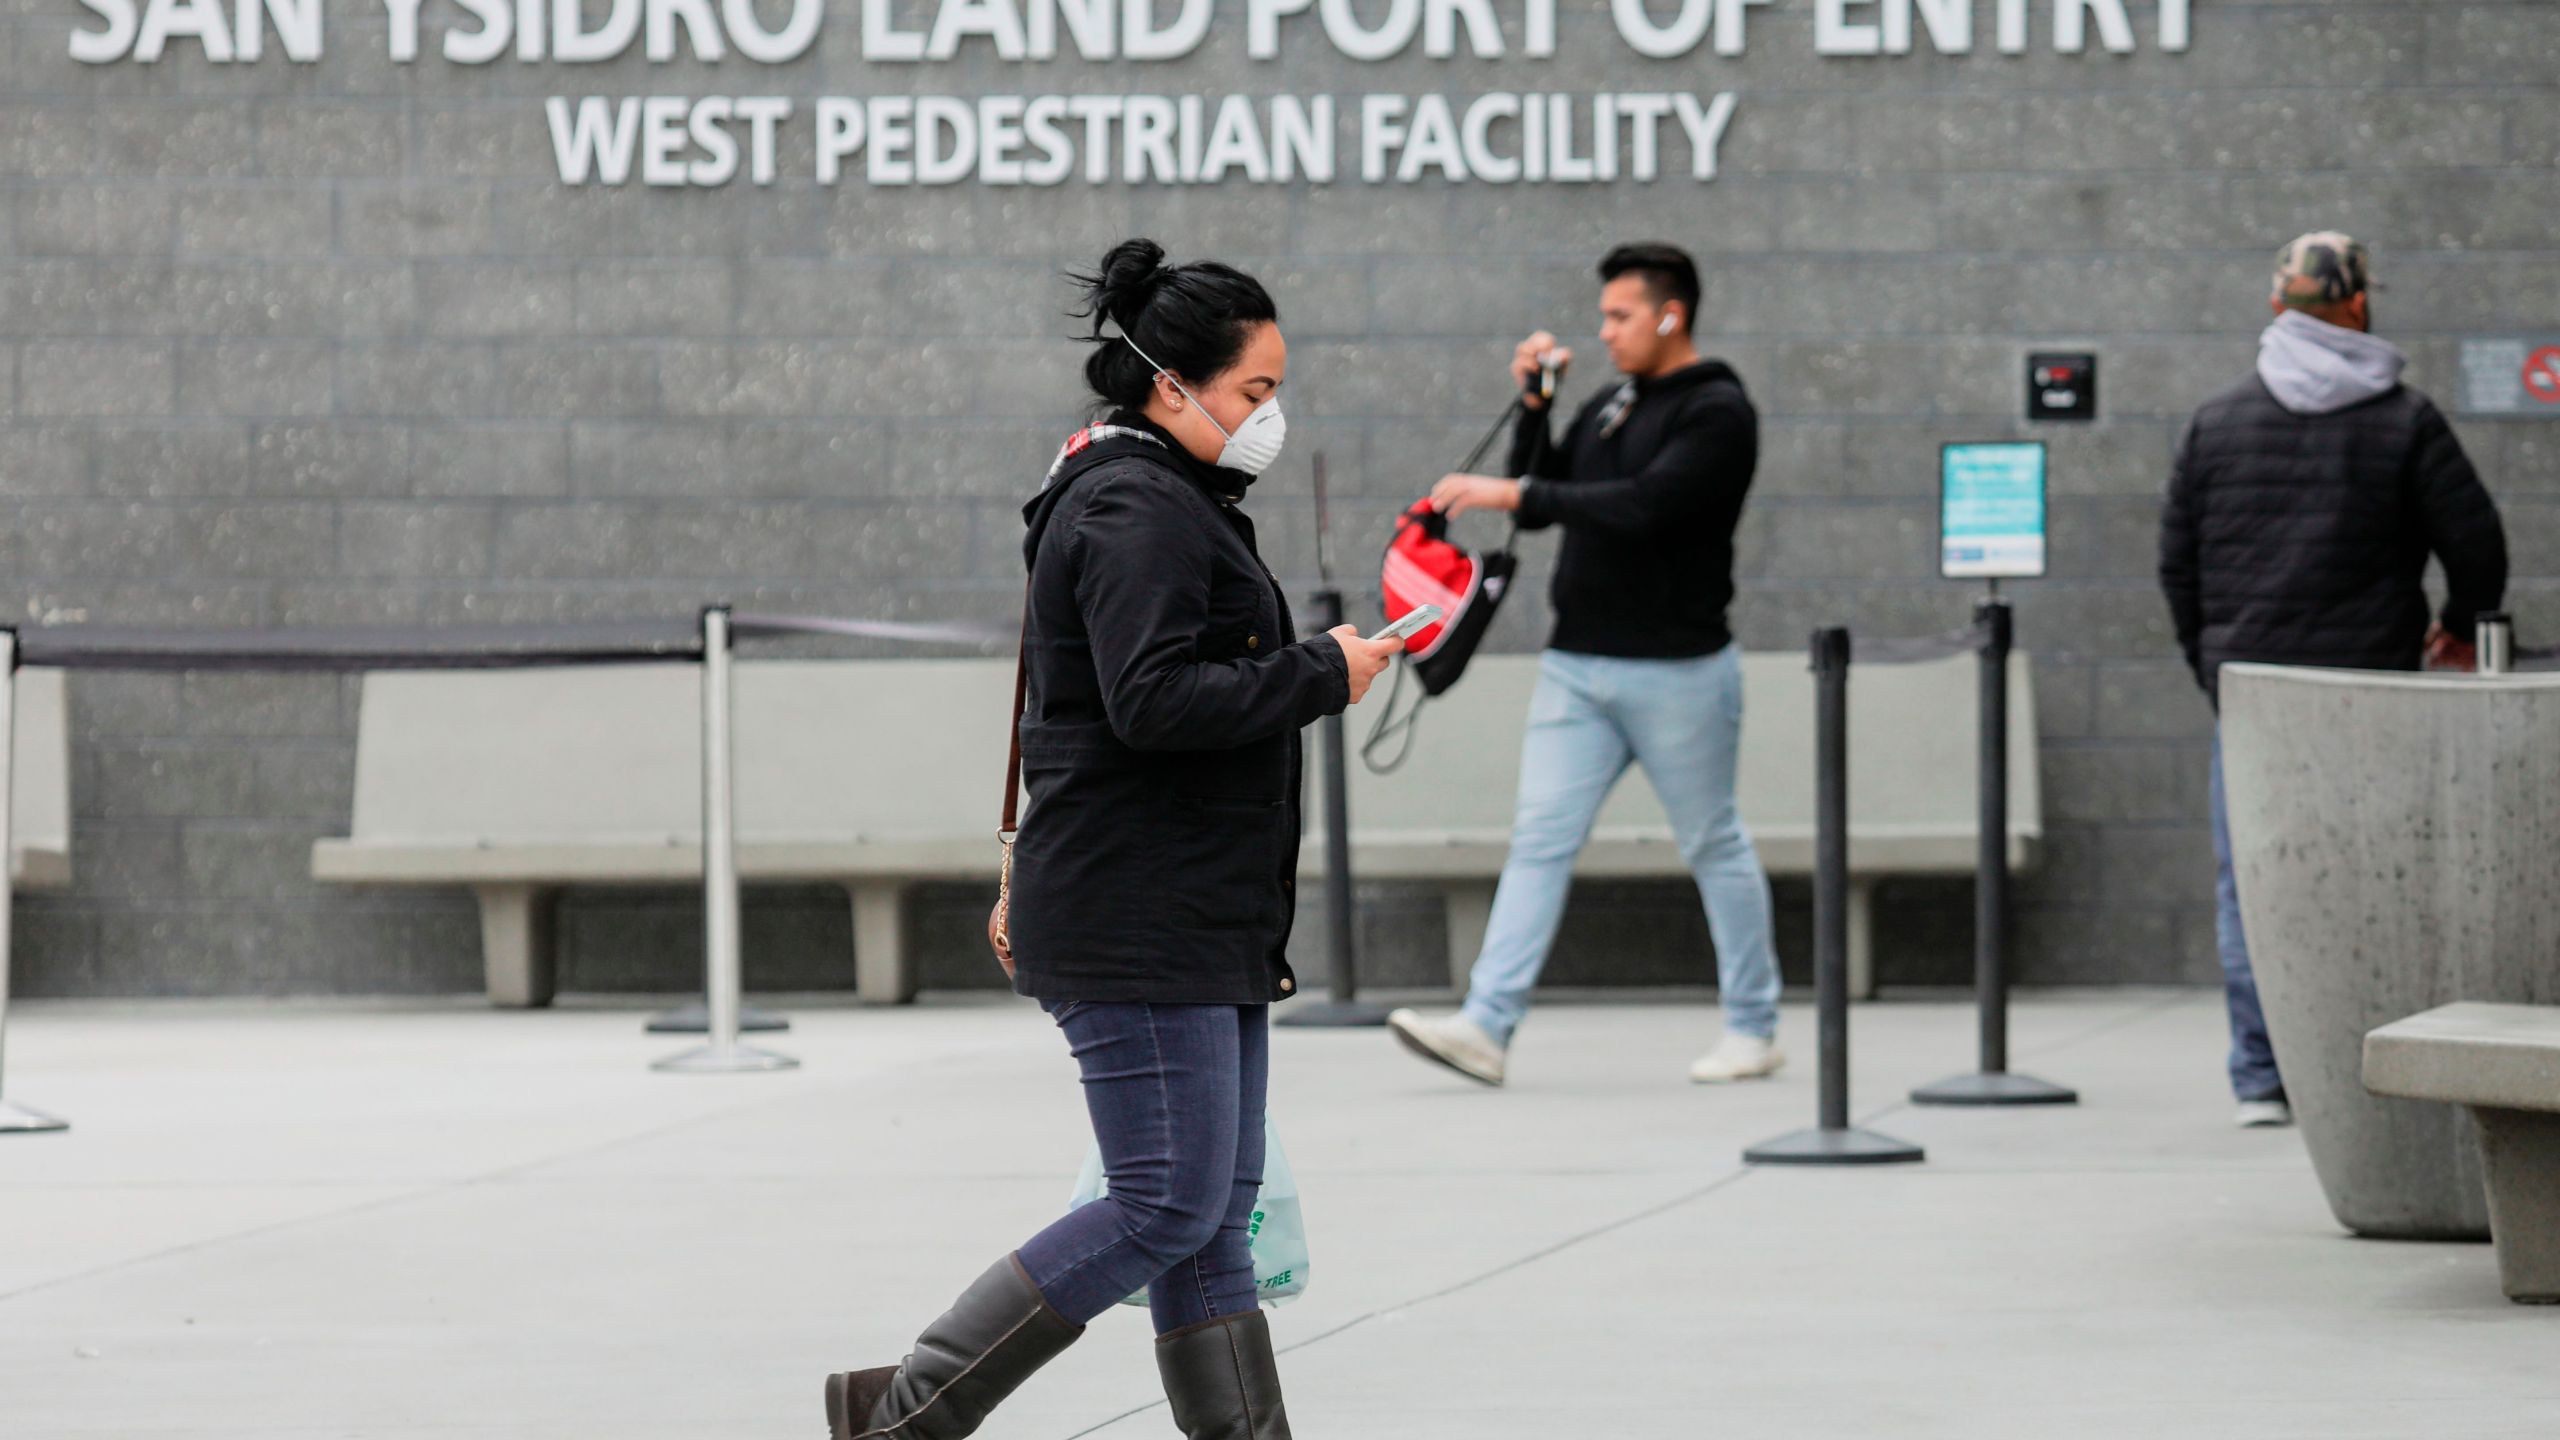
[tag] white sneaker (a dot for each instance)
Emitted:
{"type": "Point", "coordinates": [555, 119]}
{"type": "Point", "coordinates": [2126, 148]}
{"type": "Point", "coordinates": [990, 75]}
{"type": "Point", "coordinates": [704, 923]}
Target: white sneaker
{"type": "Point", "coordinates": [1737, 1057]}
{"type": "Point", "coordinates": [2262, 1114]}
{"type": "Point", "coordinates": [1451, 1040]}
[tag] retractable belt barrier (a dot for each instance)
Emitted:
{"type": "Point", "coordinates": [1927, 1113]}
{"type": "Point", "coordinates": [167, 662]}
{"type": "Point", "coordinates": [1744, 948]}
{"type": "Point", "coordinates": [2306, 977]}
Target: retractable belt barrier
{"type": "Point", "coordinates": [1342, 1007]}
{"type": "Point", "coordinates": [351, 648]}
{"type": "Point", "coordinates": [357, 647]}
{"type": "Point", "coordinates": [478, 647]}
{"type": "Point", "coordinates": [1920, 649]}
{"type": "Point", "coordinates": [1832, 1140]}
{"type": "Point", "coordinates": [1993, 1083]}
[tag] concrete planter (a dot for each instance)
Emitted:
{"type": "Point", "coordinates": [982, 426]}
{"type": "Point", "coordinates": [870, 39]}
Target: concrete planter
{"type": "Point", "coordinates": [2397, 839]}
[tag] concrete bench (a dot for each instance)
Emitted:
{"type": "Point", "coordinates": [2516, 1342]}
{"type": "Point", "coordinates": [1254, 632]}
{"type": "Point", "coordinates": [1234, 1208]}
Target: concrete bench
{"type": "Point", "coordinates": [1445, 816]}
{"type": "Point", "coordinates": [870, 774]}
{"type": "Point", "coordinates": [877, 774]}
{"type": "Point", "coordinates": [40, 784]}
{"type": "Point", "coordinates": [2502, 1062]}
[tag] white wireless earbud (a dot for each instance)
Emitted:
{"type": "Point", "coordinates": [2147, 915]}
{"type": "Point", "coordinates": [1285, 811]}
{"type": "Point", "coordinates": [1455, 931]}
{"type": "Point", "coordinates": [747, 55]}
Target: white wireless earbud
{"type": "Point", "coordinates": [1669, 322]}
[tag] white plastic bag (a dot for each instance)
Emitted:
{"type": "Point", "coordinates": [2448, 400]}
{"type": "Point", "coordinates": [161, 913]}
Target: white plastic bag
{"type": "Point", "coordinates": [1278, 1229]}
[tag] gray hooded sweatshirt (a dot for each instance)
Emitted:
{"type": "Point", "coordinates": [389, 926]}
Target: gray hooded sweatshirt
{"type": "Point", "coordinates": [2315, 368]}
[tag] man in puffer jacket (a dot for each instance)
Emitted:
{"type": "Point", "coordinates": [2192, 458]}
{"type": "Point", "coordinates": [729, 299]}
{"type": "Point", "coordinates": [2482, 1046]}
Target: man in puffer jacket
{"type": "Point", "coordinates": [2302, 508]}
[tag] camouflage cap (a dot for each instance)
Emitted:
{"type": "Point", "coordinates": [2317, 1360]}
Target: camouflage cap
{"type": "Point", "coordinates": [2322, 268]}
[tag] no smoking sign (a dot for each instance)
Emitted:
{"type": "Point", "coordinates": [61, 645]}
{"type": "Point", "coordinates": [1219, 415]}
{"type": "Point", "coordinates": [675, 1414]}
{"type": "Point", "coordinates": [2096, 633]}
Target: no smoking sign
{"type": "Point", "coordinates": [2512, 376]}
{"type": "Point", "coordinates": [2542, 374]}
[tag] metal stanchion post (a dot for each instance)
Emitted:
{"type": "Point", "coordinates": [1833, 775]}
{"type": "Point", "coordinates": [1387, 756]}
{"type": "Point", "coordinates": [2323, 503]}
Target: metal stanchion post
{"type": "Point", "coordinates": [1342, 1007]}
{"type": "Point", "coordinates": [1833, 1141]}
{"type": "Point", "coordinates": [1993, 1084]}
{"type": "Point", "coordinates": [720, 939]}
{"type": "Point", "coordinates": [693, 1017]}
{"type": "Point", "coordinates": [14, 1119]}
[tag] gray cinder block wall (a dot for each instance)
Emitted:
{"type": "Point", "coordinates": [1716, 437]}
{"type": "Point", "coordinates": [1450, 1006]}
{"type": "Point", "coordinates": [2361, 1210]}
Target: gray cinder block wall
{"type": "Point", "coordinates": [333, 343]}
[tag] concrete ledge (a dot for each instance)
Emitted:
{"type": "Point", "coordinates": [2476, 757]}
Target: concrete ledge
{"type": "Point", "coordinates": [40, 869]}
{"type": "Point", "coordinates": [2503, 1063]}
{"type": "Point", "coordinates": [40, 783]}
{"type": "Point", "coordinates": [2470, 1053]}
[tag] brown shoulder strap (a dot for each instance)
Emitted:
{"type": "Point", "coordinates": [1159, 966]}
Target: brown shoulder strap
{"type": "Point", "coordinates": [1013, 748]}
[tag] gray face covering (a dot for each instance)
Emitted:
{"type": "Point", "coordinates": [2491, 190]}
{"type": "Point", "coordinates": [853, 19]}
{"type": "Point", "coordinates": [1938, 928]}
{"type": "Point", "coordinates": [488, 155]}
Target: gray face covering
{"type": "Point", "coordinates": [1254, 445]}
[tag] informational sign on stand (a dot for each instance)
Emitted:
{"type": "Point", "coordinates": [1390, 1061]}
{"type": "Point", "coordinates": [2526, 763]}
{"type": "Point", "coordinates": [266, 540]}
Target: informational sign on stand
{"type": "Point", "coordinates": [2512, 376]}
{"type": "Point", "coordinates": [1991, 511]}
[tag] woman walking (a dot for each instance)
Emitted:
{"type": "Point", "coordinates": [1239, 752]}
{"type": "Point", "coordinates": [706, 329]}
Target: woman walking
{"type": "Point", "coordinates": [1152, 883]}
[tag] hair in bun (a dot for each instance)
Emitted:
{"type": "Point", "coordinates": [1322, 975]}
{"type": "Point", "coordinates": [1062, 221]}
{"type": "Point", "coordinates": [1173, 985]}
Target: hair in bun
{"type": "Point", "coordinates": [1193, 319]}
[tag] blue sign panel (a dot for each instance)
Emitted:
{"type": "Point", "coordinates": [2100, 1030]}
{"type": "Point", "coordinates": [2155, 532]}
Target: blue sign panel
{"type": "Point", "coordinates": [1991, 511]}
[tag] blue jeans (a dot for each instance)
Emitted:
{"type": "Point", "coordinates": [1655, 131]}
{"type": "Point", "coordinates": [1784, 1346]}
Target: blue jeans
{"type": "Point", "coordinates": [2253, 1057]}
{"type": "Point", "coordinates": [1176, 1093]}
{"type": "Point", "coordinates": [1591, 716]}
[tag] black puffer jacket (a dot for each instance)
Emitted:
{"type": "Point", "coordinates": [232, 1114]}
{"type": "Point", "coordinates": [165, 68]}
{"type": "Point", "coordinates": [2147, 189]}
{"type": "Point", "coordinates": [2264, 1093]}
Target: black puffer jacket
{"type": "Point", "coordinates": [1166, 687]}
{"type": "Point", "coordinates": [2303, 539]}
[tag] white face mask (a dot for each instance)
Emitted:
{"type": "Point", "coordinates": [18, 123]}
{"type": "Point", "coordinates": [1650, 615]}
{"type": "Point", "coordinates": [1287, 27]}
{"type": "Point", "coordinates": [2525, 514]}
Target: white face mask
{"type": "Point", "coordinates": [1254, 445]}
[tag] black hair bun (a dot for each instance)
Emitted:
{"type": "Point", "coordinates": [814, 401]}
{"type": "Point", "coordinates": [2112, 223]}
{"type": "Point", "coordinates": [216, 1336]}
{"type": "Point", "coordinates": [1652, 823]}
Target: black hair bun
{"type": "Point", "coordinates": [1127, 277]}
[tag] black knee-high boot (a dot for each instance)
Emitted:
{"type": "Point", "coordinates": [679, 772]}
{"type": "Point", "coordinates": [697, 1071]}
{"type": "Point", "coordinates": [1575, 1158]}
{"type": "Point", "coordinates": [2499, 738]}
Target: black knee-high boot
{"type": "Point", "coordinates": [1222, 1379]}
{"type": "Point", "coordinates": [980, 1351]}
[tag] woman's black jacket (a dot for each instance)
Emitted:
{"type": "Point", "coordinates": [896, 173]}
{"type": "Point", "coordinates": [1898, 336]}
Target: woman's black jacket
{"type": "Point", "coordinates": [1165, 690]}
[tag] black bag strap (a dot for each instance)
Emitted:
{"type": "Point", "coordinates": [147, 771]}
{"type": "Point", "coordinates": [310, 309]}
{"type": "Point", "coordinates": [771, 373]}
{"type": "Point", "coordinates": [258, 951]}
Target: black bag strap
{"type": "Point", "coordinates": [1393, 729]}
{"type": "Point", "coordinates": [1013, 749]}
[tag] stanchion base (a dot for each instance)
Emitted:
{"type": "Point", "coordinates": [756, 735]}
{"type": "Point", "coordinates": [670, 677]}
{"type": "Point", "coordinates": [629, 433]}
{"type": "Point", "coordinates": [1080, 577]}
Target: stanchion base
{"type": "Point", "coordinates": [695, 1019]}
{"type": "Point", "coordinates": [713, 1060]}
{"type": "Point", "coordinates": [1334, 1014]}
{"type": "Point", "coordinates": [19, 1120]}
{"type": "Point", "coordinates": [1834, 1147]}
{"type": "Point", "coordinates": [1994, 1087]}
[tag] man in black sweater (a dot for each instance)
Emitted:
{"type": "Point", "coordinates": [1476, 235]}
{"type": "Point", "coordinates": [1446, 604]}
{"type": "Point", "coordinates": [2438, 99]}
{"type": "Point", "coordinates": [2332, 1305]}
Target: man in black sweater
{"type": "Point", "coordinates": [2303, 505]}
{"type": "Point", "coordinates": [1648, 483]}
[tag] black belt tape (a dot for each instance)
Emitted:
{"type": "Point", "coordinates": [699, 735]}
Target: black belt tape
{"type": "Point", "coordinates": [440, 647]}
{"type": "Point", "coordinates": [1919, 649]}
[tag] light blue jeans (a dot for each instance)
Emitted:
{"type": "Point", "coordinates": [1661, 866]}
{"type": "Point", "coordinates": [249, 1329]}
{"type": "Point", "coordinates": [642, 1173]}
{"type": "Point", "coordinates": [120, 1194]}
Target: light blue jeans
{"type": "Point", "coordinates": [1591, 715]}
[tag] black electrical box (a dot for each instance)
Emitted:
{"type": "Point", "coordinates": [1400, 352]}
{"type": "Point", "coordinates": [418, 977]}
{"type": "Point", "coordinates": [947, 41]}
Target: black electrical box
{"type": "Point", "coordinates": [2062, 387]}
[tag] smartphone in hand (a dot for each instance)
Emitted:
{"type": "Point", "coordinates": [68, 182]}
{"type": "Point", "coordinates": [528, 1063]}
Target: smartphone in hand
{"type": "Point", "coordinates": [1418, 618]}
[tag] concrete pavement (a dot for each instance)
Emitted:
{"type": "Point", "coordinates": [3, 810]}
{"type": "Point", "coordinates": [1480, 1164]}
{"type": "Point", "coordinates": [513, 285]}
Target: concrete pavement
{"type": "Point", "coordinates": [400, 1222]}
